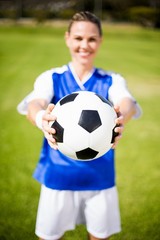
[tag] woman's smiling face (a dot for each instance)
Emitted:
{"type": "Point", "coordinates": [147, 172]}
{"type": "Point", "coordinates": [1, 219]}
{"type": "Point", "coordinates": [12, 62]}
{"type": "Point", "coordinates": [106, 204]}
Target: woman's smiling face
{"type": "Point", "coordinates": [83, 40]}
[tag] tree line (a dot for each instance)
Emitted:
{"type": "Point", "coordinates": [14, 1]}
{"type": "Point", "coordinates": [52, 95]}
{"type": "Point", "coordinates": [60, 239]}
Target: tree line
{"type": "Point", "coordinates": [144, 12]}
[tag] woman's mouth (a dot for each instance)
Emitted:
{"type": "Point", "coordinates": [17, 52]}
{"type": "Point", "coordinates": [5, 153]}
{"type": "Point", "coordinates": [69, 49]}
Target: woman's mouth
{"type": "Point", "coordinates": [84, 54]}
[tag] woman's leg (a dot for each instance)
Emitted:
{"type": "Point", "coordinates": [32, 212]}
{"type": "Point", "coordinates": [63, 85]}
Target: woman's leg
{"type": "Point", "coordinates": [94, 238]}
{"type": "Point", "coordinates": [44, 239]}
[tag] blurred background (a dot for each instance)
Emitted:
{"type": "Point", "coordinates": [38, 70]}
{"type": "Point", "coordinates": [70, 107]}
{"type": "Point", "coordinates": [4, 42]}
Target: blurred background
{"type": "Point", "coordinates": [144, 12]}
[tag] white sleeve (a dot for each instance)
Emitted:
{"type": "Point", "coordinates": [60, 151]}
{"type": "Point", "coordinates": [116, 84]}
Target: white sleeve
{"type": "Point", "coordinates": [119, 90]}
{"type": "Point", "coordinates": [43, 89]}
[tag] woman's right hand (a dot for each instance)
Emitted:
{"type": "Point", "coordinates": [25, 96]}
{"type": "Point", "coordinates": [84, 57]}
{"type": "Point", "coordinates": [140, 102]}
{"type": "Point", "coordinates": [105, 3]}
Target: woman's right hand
{"type": "Point", "coordinates": [48, 131]}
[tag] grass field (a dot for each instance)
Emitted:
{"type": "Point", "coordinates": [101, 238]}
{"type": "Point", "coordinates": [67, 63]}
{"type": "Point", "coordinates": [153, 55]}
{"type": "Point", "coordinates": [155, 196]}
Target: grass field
{"type": "Point", "coordinates": [25, 52]}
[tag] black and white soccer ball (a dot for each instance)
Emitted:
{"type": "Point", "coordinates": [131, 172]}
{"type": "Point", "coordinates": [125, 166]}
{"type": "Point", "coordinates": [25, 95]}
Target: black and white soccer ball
{"type": "Point", "coordinates": [84, 125]}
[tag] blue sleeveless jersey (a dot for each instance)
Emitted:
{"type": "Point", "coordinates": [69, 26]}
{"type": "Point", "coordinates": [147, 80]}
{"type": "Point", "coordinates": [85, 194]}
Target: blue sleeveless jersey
{"type": "Point", "coordinates": [57, 171]}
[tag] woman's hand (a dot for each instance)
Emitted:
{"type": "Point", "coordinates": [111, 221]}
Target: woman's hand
{"type": "Point", "coordinates": [119, 126]}
{"type": "Point", "coordinates": [48, 131]}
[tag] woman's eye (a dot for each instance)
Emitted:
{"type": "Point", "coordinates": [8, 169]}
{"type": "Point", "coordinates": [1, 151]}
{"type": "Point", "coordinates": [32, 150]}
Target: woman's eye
{"type": "Point", "coordinates": [89, 40]}
{"type": "Point", "coordinates": [92, 39]}
{"type": "Point", "coordinates": [78, 38]}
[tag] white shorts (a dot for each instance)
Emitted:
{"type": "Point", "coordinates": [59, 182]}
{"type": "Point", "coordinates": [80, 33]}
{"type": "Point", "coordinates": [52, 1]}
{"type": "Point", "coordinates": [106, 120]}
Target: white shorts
{"type": "Point", "coordinates": [60, 211]}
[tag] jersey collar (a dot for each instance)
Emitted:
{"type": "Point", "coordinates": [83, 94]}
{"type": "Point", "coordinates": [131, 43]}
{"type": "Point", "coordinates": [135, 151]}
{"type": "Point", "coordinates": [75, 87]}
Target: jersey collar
{"type": "Point", "coordinates": [80, 82]}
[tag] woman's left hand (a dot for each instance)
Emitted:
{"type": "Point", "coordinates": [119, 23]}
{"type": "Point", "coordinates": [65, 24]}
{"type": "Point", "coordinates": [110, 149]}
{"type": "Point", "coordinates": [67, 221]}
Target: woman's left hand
{"type": "Point", "coordinates": [119, 126]}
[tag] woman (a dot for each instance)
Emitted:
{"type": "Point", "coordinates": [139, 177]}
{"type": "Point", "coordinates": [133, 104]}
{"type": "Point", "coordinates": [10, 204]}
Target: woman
{"type": "Point", "coordinates": [75, 192]}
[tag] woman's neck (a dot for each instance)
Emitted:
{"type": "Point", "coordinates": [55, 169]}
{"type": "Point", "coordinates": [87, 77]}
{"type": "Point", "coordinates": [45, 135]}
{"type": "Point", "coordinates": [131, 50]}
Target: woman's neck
{"type": "Point", "coordinates": [82, 70]}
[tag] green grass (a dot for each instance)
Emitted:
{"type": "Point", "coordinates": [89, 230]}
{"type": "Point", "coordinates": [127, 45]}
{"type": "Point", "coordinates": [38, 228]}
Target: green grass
{"type": "Point", "coordinates": [25, 52]}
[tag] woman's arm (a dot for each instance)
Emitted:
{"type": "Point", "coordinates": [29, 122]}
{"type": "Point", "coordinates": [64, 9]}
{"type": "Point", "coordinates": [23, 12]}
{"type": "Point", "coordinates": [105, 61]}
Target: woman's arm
{"type": "Point", "coordinates": [127, 108]}
{"type": "Point", "coordinates": [35, 107]}
{"type": "Point", "coordinates": [39, 114]}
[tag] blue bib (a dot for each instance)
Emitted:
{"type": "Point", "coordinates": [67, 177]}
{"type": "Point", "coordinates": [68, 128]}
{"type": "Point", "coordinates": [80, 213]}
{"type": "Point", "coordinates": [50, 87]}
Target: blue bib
{"type": "Point", "coordinates": [57, 171]}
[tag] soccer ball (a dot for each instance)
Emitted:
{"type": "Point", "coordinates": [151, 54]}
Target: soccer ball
{"type": "Point", "coordinates": [84, 125]}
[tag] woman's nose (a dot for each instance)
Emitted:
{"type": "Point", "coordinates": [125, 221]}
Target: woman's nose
{"type": "Point", "coordinates": [84, 44]}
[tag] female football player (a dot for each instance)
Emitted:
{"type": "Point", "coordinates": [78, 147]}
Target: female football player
{"type": "Point", "coordinates": [77, 192]}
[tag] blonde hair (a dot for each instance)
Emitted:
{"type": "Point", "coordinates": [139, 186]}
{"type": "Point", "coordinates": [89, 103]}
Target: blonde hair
{"type": "Point", "coordinates": [86, 17]}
